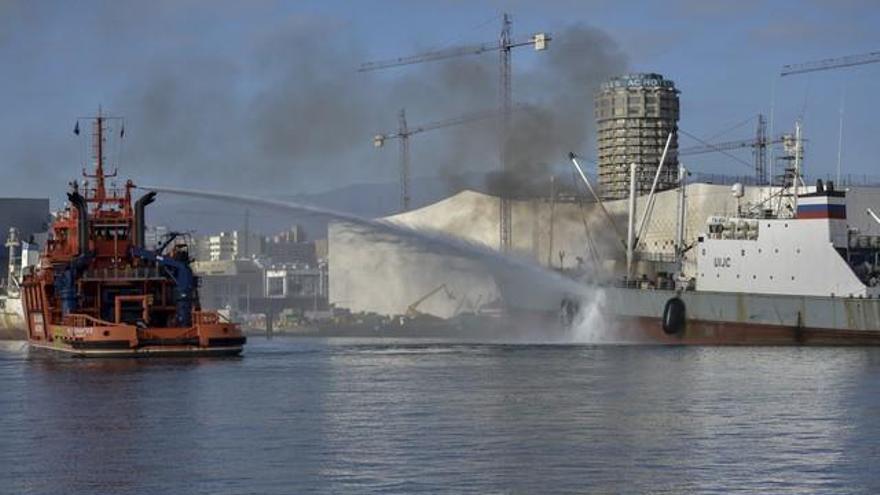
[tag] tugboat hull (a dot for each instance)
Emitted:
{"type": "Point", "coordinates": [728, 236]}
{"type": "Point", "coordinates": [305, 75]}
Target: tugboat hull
{"type": "Point", "coordinates": [145, 351]}
{"type": "Point", "coordinates": [90, 337]}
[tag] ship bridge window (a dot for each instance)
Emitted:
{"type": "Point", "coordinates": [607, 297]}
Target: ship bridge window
{"type": "Point", "coordinates": [110, 233]}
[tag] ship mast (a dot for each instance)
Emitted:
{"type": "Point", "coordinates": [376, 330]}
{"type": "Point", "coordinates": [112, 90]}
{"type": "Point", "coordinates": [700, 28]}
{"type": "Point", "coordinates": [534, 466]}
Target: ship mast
{"type": "Point", "coordinates": [100, 191]}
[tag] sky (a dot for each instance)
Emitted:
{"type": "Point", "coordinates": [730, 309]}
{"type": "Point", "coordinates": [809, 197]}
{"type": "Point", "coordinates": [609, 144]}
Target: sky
{"type": "Point", "coordinates": [264, 98]}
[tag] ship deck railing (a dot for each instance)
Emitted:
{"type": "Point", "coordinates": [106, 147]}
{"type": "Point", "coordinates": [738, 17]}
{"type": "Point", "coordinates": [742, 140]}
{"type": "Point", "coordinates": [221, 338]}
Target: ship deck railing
{"type": "Point", "coordinates": [126, 273]}
{"type": "Point", "coordinates": [81, 320]}
{"type": "Point", "coordinates": [657, 257]}
{"type": "Point", "coordinates": [209, 318]}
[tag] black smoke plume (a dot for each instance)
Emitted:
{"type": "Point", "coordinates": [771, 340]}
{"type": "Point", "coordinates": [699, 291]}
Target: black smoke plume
{"type": "Point", "coordinates": [284, 110]}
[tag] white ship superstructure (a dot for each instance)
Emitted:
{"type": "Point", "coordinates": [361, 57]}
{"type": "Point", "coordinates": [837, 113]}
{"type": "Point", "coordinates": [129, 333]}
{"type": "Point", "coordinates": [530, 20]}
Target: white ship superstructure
{"type": "Point", "coordinates": [22, 255]}
{"type": "Point", "coordinates": [812, 253]}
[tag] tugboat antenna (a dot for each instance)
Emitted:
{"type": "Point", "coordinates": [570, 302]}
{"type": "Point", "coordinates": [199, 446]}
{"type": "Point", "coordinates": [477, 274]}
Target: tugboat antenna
{"type": "Point", "coordinates": [100, 194]}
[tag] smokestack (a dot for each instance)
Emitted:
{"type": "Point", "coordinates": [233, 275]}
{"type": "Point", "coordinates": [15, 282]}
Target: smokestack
{"type": "Point", "coordinates": [139, 222]}
{"type": "Point", "coordinates": [82, 212]}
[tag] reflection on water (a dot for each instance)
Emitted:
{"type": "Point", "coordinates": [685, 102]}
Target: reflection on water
{"type": "Point", "coordinates": [356, 416]}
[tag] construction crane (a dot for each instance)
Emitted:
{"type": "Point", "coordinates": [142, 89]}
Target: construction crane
{"type": "Point", "coordinates": [759, 147]}
{"type": "Point", "coordinates": [504, 45]}
{"type": "Point", "coordinates": [403, 134]}
{"type": "Point", "coordinates": [830, 63]}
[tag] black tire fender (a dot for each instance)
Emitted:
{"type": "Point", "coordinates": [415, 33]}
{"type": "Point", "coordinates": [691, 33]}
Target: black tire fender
{"type": "Point", "coordinates": [674, 315]}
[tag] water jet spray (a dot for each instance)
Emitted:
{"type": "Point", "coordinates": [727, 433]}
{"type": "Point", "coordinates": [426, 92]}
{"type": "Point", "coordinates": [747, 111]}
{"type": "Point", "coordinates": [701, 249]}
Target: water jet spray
{"type": "Point", "coordinates": [545, 288]}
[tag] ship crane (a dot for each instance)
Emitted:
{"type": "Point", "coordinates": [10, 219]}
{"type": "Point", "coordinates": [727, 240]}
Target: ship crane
{"type": "Point", "coordinates": [404, 132]}
{"type": "Point", "coordinates": [830, 63]}
{"type": "Point", "coordinates": [504, 45]}
{"type": "Point", "coordinates": [759, 147]}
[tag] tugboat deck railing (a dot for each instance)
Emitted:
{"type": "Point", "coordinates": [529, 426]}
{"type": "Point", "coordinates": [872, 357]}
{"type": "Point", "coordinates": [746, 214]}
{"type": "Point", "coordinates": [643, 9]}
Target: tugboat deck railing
{"type": "Point", "coordinates": [81, 320]}
{"type": "Point", "coordinates": [126, 273]}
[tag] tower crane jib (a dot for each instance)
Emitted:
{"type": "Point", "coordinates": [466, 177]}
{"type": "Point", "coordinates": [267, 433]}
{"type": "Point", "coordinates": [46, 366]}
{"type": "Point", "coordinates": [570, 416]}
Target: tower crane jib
{"type": "Point", "coordinates": [506, 42]}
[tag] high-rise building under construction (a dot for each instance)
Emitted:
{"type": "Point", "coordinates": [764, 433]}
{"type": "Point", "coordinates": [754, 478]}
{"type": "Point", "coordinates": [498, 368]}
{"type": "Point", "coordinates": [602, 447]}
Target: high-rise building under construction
{"type": "Point", "coordinates": [635, 113]}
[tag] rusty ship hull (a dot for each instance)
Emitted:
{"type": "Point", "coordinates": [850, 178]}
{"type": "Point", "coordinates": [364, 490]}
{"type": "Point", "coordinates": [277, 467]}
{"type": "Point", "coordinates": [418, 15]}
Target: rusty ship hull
{"type": "Point", "coordinates": [715, 318]}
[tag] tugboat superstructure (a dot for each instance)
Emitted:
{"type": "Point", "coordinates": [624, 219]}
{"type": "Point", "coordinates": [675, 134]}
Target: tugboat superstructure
{"type": "Point", "coordinates": [98, 291]}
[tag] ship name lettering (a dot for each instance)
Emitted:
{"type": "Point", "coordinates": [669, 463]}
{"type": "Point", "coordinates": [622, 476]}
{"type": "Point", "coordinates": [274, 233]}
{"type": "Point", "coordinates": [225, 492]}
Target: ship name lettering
{"type": "Point", "coordinates": [722, 262]}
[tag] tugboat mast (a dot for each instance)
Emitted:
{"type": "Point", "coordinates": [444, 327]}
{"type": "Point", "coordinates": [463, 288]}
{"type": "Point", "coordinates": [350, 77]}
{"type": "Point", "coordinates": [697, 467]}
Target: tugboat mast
{"type": "Point", "coordinates": [100, 192]}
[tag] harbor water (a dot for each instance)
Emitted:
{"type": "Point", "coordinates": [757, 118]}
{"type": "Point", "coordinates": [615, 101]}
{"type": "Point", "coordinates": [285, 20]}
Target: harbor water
{"type": "Point", "coordinates": [313, 415]}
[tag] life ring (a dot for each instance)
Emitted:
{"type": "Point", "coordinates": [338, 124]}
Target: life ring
{"type": "Point", "coordinates": [674, 316]}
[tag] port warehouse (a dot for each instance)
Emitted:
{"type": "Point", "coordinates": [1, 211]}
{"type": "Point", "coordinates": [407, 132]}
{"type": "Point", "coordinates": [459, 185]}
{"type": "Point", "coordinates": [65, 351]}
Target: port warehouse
{"type": "Point", "coordinates": [370, 272]}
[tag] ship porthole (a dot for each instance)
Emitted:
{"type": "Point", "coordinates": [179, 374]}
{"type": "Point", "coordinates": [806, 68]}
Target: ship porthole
{"type": "Point", "coordinates": [106, 333]}
{"type": "Point", "coordinates": [674, 316]}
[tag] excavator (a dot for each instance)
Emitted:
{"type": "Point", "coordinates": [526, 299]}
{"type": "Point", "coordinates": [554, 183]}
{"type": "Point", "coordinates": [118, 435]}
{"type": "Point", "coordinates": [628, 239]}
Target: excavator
{"type": "Point", "coordinates": [412, 310]}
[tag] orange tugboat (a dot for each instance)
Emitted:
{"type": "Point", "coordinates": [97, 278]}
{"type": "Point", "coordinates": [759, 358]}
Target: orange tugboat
{"type": "Point", "coordinates": [99, 292]}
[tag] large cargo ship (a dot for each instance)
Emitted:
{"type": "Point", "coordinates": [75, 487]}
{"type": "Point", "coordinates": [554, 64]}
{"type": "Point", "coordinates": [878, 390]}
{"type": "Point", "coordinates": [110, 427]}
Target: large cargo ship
{"type": "Point", "coordinates": [802, 279]}
{"type": "Point", "coordinates": [790, 269]}
{"type": "Point", "coordinates": [98, 291]}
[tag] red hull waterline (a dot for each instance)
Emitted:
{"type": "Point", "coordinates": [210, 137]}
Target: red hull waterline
{"type": "Point", "coordinates": [650, 330]}
{"type": "Point", "coordinates": [147, 351]}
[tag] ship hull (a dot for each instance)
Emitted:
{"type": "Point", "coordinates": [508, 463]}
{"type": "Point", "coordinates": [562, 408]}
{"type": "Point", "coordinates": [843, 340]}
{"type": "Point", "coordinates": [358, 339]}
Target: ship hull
{"type": "Point", "coordinates": [10, 329]}
{"type": "Point", "coordinates": [209, 336]}
{"type": "Point", "coordinates": [12, 326]}
{"type": "Point", "coordinates": [715, 318]}
{"type": "Point", "coordinates": [650, 330]}
{"type": "Point", "coordinates": [142, 352]}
